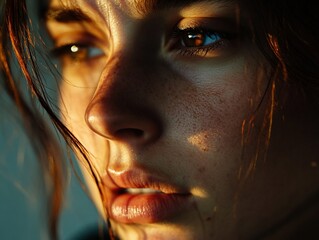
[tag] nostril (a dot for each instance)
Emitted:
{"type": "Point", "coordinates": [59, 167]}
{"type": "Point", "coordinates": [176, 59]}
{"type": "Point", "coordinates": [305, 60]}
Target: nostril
{"type": "Point", "coordinates": [129, 133]}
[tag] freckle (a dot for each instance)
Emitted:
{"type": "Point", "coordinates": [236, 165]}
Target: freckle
{"type": "Point", "coordinates": [201, 169]}
{"type": "Point", "coordinates": [205, 149]}
{"type": "Point", "coordinates": [208, 219]}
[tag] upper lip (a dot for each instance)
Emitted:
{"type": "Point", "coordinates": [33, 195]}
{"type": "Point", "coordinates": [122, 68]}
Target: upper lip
{"type": "Point", "coordinates": [139, 178]}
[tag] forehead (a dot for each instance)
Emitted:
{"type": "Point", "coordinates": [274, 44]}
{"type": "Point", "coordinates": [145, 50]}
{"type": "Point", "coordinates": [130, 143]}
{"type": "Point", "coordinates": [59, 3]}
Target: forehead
{"type": "Point", "coordinates": [146, 6]}
{"type": "Point", "coordinates": [140, 8]}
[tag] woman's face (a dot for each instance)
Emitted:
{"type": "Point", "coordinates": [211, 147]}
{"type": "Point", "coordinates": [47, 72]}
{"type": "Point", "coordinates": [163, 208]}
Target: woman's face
{"type": "Point", "coordinates": [160, 93]}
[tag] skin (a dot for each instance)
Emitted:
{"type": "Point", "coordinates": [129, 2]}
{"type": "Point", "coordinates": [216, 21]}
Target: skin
{"type": "Point", "coordinates": [191, 110]}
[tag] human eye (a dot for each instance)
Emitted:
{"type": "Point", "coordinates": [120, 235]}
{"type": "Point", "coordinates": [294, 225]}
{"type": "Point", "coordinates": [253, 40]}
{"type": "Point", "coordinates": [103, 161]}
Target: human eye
{"type": "Point", "coordinates": [202, 38]}
{"type": "Point", "coordinates": [77, 52]}
{"type": "Point", "coordinates": [81, 58]}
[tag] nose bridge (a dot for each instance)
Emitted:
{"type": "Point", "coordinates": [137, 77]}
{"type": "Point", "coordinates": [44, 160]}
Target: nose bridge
{"type": "Point", "coordinates": [120, 109]}
{"type": "Point", "coordinates": [124, 82]}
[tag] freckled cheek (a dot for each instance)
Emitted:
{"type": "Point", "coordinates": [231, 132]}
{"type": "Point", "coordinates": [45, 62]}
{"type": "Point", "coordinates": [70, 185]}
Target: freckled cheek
{"type": "Point", "coordinates": [209, 118]}
{"type": "Point", "coordinates": [213, 119]}
{"type": "Point", "coordinates": [216, 154]}
{"type": "Point", "coordinates": [212, 102]}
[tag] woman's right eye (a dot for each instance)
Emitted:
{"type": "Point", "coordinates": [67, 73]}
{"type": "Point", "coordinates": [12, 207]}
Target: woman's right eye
{"type": "Point", "coordinates": [77, 52]}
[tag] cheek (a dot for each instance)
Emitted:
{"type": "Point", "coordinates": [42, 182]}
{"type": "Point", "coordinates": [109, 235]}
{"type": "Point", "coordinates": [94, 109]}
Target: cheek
{"type": "Point", "coordinates": [74, 100]}
{"type": "Point", "coordinates": [212, 108]}
{"type": "Point", "coordinates": [209, 116]}
{"type": "Point", "coordinates": [77, 88]}
{"type": "Point", "coordinates": [213, 140]}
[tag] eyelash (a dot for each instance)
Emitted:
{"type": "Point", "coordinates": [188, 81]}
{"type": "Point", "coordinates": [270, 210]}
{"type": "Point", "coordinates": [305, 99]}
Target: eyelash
{"type": "Point", "coordinates": [177, 43]}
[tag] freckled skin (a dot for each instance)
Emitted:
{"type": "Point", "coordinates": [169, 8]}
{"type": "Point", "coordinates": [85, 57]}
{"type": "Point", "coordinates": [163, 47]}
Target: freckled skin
{"type": "Point", "coordinates": [193, 110]}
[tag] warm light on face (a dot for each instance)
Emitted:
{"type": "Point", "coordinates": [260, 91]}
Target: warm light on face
{"type": "Point", "coordinates": [200, 193]}
{"type": "Point", "coordinates": [185, 78]}
{"type": "Point", "coordinates": [208, 9]}
{"type": "Point", "coordinates": [202, 141]}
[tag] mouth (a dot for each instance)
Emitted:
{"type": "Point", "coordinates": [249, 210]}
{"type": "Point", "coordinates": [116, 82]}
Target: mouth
{"type": "Point", "coordinates": [146, 205]}
{"type": "Point", "coordinates": [140, 191]}
{"type": "Point", "coordinates": [144, 199]}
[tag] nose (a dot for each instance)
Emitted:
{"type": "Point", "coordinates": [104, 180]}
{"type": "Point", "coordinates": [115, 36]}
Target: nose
{"type": "Point", "coordinates": [121, 108]}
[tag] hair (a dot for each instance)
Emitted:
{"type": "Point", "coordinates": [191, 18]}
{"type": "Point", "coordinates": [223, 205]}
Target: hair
{"type": "Point", "coordinates": [17, 44]}
{"type": "Point", "coordinates": [41, 138]}
{"type": "Point", "coordinates": [286, 33]}
{"type": "Point", "coordinates": [291, 31]}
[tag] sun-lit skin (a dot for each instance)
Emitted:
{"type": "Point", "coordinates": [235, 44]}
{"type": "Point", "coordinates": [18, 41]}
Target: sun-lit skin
{"type": "Point", "coordinates": [191, 109]}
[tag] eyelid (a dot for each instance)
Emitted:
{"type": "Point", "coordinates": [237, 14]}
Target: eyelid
{"type": "Point", "coordinates": [217, 24]}
{"type": "Point", "coordinates": [209, 9]}
{"type": "Point", "coordinates": [72, 37]}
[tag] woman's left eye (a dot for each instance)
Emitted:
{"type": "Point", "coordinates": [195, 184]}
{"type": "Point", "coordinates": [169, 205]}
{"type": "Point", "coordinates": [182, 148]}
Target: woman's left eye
{"type": "Point", "coordinates": [199, 42]}
{"type": "Point", "coordinates": [198, 38]}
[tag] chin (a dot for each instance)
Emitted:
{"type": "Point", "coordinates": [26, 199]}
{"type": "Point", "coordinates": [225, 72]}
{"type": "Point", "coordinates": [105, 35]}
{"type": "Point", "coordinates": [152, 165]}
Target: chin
{"type": "Point", "coordinates": [165, 231]}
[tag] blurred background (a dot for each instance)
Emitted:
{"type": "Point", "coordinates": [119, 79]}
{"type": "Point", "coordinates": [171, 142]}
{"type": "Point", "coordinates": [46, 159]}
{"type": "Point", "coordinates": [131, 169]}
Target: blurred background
{"type": "Point", "coordinates": [23, 209]}
{"type": "Point", "coordinates": [23, 204]}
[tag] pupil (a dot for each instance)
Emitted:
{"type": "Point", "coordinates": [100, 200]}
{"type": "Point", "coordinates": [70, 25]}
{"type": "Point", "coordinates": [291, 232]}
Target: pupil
{"type": "Point", "coordinates": [79, 53]}
{"type": "Point", "coordinates": [194, 39]}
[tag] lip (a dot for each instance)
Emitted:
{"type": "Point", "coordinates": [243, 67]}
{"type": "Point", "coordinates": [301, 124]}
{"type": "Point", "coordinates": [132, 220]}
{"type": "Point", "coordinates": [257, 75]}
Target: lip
{"type": "Point", "coordinates": [160, 202]}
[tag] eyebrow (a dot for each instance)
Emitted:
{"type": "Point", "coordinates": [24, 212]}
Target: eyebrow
{"type": "Point", "coordinates": [145, 6]}
{"type": "Point", "coordinates": [66, 15]}
{"type": "Point", "coordinates": [75, 14]}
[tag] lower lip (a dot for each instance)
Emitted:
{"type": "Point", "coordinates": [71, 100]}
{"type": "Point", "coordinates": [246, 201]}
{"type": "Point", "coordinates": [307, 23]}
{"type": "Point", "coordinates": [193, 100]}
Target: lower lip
{"type": "Point", "coordinates": [147, 208]}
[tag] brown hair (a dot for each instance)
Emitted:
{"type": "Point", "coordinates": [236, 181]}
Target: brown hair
{"type": "Point", "coordinates": [42, 140]}
{"type": "Point", "coordinates": [17, 39]}
{"type": "Point", "coordinates": [287, 33]}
